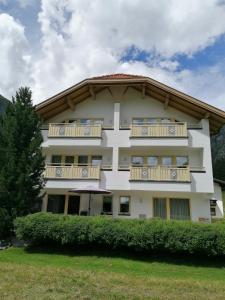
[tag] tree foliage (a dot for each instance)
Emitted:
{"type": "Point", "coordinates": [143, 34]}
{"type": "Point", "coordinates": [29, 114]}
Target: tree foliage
{"type": "Point", "coordinates": [218, 154]}
{"type": "Point", "coordinates": [22, 163]}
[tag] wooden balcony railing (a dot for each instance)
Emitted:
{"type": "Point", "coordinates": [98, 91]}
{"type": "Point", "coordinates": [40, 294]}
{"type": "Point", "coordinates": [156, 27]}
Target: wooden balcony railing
{"type": "Point", "coordinates": [160, 173]}
{"type": "Point", "coordinates": [176, 129]}
{"type": "Point", "coordinates": [72, 172]}
{"type": "Point", "coordinates": [72, 130]}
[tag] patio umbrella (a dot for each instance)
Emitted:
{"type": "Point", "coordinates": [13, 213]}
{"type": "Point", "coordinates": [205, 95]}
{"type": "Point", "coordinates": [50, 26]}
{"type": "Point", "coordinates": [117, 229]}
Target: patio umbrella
{"type": "Point", "coordinates": [91, 190]}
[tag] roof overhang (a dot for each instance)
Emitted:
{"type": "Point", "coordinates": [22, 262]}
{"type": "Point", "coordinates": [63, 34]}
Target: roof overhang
{"type": "Point", "coordinates": [163, 93]}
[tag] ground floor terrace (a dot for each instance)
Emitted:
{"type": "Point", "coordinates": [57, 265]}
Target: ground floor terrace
{"type": "Point", "coordinates": [134, 204]}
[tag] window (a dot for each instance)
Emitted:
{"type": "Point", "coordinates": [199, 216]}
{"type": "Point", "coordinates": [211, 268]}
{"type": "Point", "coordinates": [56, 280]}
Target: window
{"type": "Point", "coordinates": [165, 120]}
{"type": "Point", "coordinates": [159, 205]}
{"type": "Point", "coordinates": [152, 161]}
{"type": "Point", "coordinates": [124, 204]}
{"type": "Point", "coordinates": [151, 121]}
{"type": "Point", "coordinates": [56, 160]}
{"type": "Point", "coordinates": [166, 160]}
{"type": "Point", "coordinates": [138, 121]}
{"type": "Point", "coordinates": [82, 160]}
{"type": "Point", "coordinates": [107, 204]}
{"type": "Point", "coordinates": [213, 211]}
{"type": "Point", "coordinates": [181, 161]}
{"type": "Point", "coordinates": [98, 121]}
{"type": "Point", "coordinates": [69, 160]}
{"type": "Point", "coordinates": [85, 121]}
{"type": "Point", "coordinates": [137, 160]}
{"type": "Point", "coordinates": [179, 209]}
{"type": "Point", "coordinates": [96, 160]}
{"type": "Point", "coordinates": [56, 204]}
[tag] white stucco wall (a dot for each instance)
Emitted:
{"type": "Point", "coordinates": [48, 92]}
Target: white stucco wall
{"type": "Point", "coordinates": [117, 147]}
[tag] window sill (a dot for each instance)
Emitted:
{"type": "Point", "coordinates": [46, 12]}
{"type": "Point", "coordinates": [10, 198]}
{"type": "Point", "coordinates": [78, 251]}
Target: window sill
{"type": "Point", "coordinates": [124, 214]}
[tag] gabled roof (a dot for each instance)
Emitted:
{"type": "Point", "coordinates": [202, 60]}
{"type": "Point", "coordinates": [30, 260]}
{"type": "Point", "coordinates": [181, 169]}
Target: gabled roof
{"type": "Point", "coordinates": [148, 86]}
{"type": "Point", "coordinates": [118, 76]}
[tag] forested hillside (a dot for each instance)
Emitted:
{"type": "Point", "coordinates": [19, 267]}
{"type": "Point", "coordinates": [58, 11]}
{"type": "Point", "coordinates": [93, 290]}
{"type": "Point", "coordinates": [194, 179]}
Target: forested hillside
{"type": "Point", "coordinates": [3, 103]}
{"type": "Point", "coordinates": [218, 154]}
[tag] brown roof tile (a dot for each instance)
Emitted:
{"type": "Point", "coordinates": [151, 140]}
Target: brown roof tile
{"type": "Point", "coordinates": [118, 76]}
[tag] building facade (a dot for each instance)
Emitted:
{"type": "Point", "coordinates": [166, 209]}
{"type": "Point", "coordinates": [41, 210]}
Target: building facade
{"type": "Point", "coordinates": [145, 142]}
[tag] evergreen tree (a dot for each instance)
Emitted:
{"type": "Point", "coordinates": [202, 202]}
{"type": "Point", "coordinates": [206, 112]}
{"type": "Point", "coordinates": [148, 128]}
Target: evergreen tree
{"type": "Point", "coordinates": [21, 160]}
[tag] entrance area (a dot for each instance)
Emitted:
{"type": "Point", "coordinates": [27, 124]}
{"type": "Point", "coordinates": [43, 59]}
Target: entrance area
{"type": "Point", "coordinates": [74, 205]}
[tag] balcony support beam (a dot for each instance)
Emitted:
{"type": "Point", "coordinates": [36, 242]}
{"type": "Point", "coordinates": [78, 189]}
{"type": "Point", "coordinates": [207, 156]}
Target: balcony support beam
{"type": "Point", "coordinates": [143, 91]}
{"type": "Point", "coordinates": [70, 104]}
{"type": "Point", "coordinates": [92, 92]}
{"type": "Point", "coordinates": [167, 100]}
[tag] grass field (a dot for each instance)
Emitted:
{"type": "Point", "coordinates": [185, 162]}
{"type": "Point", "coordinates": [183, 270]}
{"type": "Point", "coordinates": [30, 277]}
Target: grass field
{"type": "Point", "coordinates": [84, 275]}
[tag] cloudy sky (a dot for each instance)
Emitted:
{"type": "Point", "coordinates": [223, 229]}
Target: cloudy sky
{"type": "Point", "coordinates": [50, 45]}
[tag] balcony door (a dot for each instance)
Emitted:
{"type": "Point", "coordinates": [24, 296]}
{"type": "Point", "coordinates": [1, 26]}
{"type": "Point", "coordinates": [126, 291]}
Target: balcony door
{"type": "Point", "coordinates": [74, 205]}
{"type": "Point", "coordinates": [82, 160]}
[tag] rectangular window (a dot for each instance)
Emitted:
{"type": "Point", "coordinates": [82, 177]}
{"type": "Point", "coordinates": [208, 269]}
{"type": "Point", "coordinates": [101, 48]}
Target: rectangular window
{"type": "Point", "coordinates": [165, 121]}
{"type": "Point", "coordinates": [124, 204]}
{"type": "Point", "coordinates": [137, 160]}
{"type": "Point", "coordinates": [181, 161]}
{"type": "Point", "coordinates": [213, 211]}
{"type": "Point", "coordinates": [98, 121]}
{"type": "Point", "coordinates": [82, 160]}
{"type": "Point", "coordinates": [137, 121]}
{"type": "Point", "coordinates": [159, 206]}
{"type": "Point", "coordinates": [166, 160]}
{"type": "Point", "coordinates": [107, 204]}
{"type": "Point", "coordinates": [152, 161]}
{"type": "Point", "coordinates": [56, 204]}
{"type": "Point", "coordinates": [151, 121]}
{"type": "Point", "coordinates": [69, 160]}
{"type": "Point", "coordinates": [56, 160]}
{"type": "Point", "coordinates": [179, 209]}
{"type": "Point", "coordinates": [96, 160]}
{"type": "Point", "coordinates": [85, 121]}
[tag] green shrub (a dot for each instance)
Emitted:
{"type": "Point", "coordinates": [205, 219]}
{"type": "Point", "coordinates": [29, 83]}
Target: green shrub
{"type": "Point", "coordinates": [136, 235]}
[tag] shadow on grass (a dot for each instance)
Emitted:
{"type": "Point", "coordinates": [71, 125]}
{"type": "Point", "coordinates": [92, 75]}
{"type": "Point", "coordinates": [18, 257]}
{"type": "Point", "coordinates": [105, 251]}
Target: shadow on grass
{"type": "Point", "coordinates": [176, 259]}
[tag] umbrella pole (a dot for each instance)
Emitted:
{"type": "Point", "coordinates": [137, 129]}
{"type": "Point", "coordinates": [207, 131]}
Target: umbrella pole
{"type": "Point", "coordinates": [89, 205]}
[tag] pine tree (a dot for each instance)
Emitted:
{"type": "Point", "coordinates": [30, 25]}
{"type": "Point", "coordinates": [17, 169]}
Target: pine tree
{"type": "Point", "coordinates": [21, 159]}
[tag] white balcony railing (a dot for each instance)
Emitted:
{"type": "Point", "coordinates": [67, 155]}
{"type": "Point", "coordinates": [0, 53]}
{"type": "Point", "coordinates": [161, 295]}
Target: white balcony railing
{"type": "Point", "coordinates": [160, 173]}
{"type": "Point", "coordinates": [176, 129]}
{"type": "Point", "coordinates": [72, 172]}
{"type": "Point", "coordinates": [74, 130]}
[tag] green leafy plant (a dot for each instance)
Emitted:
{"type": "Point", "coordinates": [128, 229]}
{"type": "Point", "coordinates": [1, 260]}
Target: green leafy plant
{"type": "Point", "coordinates": [136, 235]}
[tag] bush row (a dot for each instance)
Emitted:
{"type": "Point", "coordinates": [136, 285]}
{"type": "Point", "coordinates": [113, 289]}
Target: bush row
{"type": "Point", "coordinates": [137, 235]}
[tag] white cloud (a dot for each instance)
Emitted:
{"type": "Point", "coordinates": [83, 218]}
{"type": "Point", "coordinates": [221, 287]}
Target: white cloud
{"type": "Point", "coordinates": [82, 38]}
{"type": "Point", "coordinates": [14, 59]}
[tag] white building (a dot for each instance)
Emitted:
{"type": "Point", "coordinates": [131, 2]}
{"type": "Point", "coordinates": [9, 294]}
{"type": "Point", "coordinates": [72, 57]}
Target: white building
{"type": "Point", "coordinates": [144, 141]}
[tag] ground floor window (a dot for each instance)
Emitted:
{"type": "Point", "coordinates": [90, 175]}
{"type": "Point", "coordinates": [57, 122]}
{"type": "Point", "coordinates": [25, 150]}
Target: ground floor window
{"type": "Point", "coordinates": [56, 204]}
{"type": "Point", "coordinates": [179, 209]}
{"type": "Point", "coordinates": [125, 204]}
{"type": "Point", "coordinates": [174, 208]}
{"type": "Point", "coordinates": [160, 208]}
{"type": "Point", "coordinates": [107, 204]}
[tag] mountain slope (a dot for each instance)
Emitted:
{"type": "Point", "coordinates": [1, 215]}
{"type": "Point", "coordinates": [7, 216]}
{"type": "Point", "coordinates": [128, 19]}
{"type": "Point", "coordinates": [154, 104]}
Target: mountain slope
{"type": "Point", "coordinates": [3, 104]}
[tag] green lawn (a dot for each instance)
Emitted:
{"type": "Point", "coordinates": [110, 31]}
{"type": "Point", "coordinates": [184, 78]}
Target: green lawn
{"type": "Point", "coordinates": [84, 275]}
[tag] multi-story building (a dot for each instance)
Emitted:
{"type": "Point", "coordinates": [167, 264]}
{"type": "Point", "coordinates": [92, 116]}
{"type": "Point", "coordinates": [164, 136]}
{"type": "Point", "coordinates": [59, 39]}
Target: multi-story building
{"type": "Point", "coordinates": [147, 143]}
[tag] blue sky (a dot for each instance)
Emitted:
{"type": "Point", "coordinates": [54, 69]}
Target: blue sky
{"type": "Point", "coordinates": [52, 44]}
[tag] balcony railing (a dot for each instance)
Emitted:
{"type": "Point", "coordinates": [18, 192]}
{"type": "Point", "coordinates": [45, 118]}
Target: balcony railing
{"type": "Point", "coordinates": [176, 129]}
{"type": "Point", "coordinates": [72, 172]}
{"type": "Point", "coordinates": [160, 173]}
{"type": "Point", "coordinates": [74, 130]}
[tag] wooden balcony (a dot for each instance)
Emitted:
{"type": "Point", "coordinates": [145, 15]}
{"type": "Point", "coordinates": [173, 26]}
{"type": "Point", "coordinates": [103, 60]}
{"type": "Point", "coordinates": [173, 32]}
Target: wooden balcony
{"type": "Point", "coordinates": [72, 172]}
{"type": "Point", "coordinates": [160, 173]}
{"type": "Point", "coordinates": [76, 131]}
{"type": "Point", "coordinates": [168, 130]}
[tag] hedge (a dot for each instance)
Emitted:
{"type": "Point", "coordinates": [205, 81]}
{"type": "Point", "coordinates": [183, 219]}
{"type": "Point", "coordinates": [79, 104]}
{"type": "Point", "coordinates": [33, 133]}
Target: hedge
{"type": "Point", "coordinates": [145, 236]}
